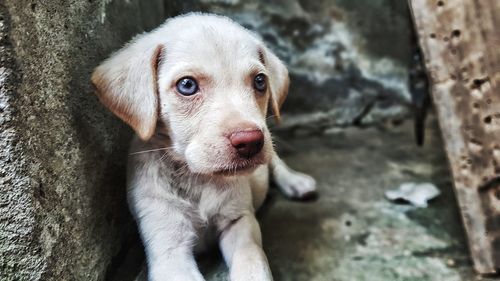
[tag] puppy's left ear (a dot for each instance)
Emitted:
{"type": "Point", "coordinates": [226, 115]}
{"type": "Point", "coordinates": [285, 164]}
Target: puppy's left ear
{"type": "Point", "coordinates": [279, 80]}
{"type": "Point", "coordinates": [126, 84]}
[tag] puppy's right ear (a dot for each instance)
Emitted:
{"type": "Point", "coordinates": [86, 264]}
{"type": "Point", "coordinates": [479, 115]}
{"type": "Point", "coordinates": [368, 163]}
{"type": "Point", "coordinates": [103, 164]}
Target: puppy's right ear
{"type": "Point", "coordinates": [127, 84]}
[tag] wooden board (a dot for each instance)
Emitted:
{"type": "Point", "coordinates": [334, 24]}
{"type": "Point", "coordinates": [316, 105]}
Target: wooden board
{"type": "Point", "coordinates": [460, 40]}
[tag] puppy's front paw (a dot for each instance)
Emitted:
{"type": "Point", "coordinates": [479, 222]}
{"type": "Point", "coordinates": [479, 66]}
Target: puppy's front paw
{"type": "Point", "coordinates": [297, 186]}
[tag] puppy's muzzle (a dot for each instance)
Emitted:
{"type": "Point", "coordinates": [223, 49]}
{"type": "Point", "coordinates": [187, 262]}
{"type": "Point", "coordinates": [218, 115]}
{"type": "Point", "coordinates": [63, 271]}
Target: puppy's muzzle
{"type": "Point", "coordinates": [247, 143]}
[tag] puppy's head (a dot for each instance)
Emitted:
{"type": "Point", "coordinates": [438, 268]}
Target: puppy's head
{"type": "Point", "coordinates": [208, 80]}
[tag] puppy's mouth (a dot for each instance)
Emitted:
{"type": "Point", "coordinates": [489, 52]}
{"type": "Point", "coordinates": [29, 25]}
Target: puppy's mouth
{"type": "Point", "coordinates": [239, 168]}
{"type": "Point", "coordinates": [227, 161]}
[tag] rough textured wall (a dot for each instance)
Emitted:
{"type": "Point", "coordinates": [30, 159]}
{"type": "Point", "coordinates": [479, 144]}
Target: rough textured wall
{"type": "Point", "coordinates": [348, 59]}
{"type": "Point", "coordinates": [63, 214]}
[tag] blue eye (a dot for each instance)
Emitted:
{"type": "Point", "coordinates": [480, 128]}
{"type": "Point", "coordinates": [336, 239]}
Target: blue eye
{"type": "Point", "coordinates": [259, 82]}
{"type": "Point", "coordinates": [187, 86]}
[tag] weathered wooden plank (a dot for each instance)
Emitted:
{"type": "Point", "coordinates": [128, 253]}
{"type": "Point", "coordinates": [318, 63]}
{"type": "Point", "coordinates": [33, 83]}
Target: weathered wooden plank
{"type": "Point", "coordinates": [460, 40]}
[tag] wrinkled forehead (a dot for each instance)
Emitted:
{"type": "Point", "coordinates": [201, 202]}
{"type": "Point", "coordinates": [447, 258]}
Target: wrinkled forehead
{"type": "Point", "coordinates": [214, 50]}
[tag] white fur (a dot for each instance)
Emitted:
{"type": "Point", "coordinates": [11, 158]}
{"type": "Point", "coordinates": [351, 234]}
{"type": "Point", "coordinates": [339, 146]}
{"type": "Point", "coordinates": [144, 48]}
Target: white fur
{"type": "Point", "coordinates": [186, 183]}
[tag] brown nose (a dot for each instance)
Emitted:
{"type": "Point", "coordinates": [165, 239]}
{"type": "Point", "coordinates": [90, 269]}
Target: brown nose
{"type": "Point", "coordinates": [247, 143]}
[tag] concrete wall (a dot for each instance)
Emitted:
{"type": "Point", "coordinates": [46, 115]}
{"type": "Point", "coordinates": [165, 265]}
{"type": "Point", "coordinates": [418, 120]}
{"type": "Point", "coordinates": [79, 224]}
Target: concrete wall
{"type": "Point", "coordinates": [63, 214]}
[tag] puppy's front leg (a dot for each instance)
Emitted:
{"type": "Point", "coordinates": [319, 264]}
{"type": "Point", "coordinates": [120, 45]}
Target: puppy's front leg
{"type": "Point", "coordinates": [168, 236]}
{"type": "Point", "coordinates": [241, 246]}
{"type": "Point", "coordinates": [293, 184]}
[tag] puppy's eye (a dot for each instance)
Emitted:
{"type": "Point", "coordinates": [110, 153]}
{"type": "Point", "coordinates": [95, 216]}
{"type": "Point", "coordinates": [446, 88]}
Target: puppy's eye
{"type": "Point", "coordinates": [259, 82]}
{"type": "Point", "coordinates": [187, 86]}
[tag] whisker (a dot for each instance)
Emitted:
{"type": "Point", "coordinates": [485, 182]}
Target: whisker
{"type": "Point", "coordinates": [179, 171]}
{"type": "Point", "coordinates": [163, 156]}
{"type": "Point", "coordinates": [151, 150]}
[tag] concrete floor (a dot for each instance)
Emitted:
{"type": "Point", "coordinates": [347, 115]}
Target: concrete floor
{"type": "Point", "coordinates": [352, 233]}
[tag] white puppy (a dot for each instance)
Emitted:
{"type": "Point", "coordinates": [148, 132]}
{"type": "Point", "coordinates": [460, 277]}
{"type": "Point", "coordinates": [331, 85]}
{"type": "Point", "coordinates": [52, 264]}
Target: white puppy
{"type": "Point", "coordinates": [196, 91]}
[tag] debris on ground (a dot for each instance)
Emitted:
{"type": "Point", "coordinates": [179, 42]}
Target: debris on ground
{"type": "Point", "coordinates": [418, 194]}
